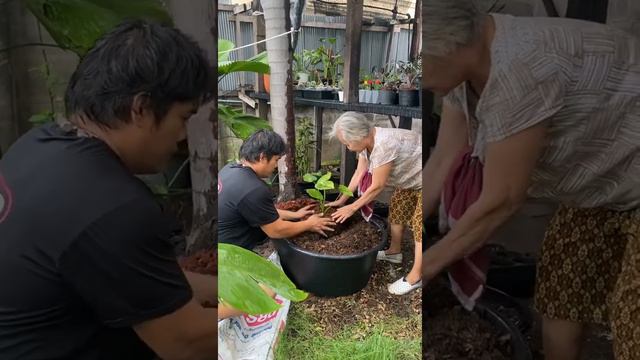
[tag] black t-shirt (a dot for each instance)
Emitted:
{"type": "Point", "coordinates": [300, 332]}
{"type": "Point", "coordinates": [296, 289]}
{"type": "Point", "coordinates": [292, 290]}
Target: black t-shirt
{"type": "Point", "coordinates": [85, 252]}
{"type": "Point", "coordinates": [244, 204]}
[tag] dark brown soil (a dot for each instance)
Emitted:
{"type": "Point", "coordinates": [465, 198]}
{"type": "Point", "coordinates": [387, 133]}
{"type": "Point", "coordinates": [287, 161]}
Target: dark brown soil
{"type": "Point", "coordinates": [202, 262]}
{"type": "Point", "coordinates": [452, 333]}
{"type": "Point", "coordinates": [354, 236]}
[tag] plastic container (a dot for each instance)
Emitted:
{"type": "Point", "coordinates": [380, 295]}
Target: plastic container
{"type": "Point", "coordinates": [330, 275]}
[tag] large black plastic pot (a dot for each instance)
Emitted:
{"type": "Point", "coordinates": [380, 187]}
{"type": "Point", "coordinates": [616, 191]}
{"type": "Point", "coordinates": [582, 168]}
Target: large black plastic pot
{"type": "Point", "coordinates": [519, 348]}
{"type": "Point", "coordinates": [511, 272]}
{"type": "Point", "coordinates": [330, 275]}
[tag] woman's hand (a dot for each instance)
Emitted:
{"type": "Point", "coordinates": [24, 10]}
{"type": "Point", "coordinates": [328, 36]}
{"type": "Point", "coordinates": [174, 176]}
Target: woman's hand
{"type": "Point", "coordinates": [339, 202]}
{"type": "Point", "coordinates": [342, 214]}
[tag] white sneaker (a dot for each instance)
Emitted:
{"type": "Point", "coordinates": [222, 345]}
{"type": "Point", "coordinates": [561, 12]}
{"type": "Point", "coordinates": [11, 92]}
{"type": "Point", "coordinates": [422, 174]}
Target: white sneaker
{"type": "Point", "coordinates": [394, 258]}
{"type": "Point", "coordinates": [402, 286]}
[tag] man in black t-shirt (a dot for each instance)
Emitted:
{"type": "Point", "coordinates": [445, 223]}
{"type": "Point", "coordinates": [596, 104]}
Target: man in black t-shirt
{"type": "Point", "coordinates": [246, 211]}
{"type": "Point", "coordinates": [87, 270]}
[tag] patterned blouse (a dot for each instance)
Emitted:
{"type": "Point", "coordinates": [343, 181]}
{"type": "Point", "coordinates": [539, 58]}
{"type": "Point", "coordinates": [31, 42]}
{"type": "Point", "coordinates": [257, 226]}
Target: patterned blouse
{"type": "Point", "coordinates": [583, 80]}
{"type": "Point", "coordinates": [404, 149]}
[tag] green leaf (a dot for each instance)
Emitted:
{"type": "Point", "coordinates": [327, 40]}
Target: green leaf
{"type": "Point", "coordinates": [223, 50]}
{"type": "Point", "coordinates": [240, 271]}
{"type": "Point", "coordinates": [345, 190]}
{"type": "Point", "coordinates": [309, 178]}
{"type": "Point", "coordinates": [241, 125]}
{"type": "Point", "coordinates": [77, 24]}
{"type": "Point", "coordinates": [325, 185]}
{"type": "Point", "coordinates": [242, 65]}
{"type": "Point", "coordinates": [315, 194]}
{"type": "Point", "coordinates": [42, 118]}
{"type": "Point", "coordinates": [326, 176]}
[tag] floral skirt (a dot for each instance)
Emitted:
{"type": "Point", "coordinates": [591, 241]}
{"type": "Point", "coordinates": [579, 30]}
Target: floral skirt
{"type": "Point", "coordinates": [406, 209]}
{"type": "Point", "coordinates": [589, 272]}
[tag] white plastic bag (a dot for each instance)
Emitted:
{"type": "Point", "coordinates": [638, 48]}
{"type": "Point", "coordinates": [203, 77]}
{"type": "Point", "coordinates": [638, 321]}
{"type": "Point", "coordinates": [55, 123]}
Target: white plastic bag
{"type": "Point", "coordinates": [248, 337]}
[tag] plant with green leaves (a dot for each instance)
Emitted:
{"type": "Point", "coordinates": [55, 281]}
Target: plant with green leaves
{"type": "Point", "coordinates": [240, 273]}
{"type": "Point", "coordinates": [242, 125]}
{"type": "Point", "coordinates": [305, 145]}
{"type": "Point", "coordinates": [322, 183]}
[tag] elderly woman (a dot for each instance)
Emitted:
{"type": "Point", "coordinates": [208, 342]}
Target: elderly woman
{"type": "Point", "coordinates": [551, 108]}
{"type": "Point", "coordinates": [387, 157]}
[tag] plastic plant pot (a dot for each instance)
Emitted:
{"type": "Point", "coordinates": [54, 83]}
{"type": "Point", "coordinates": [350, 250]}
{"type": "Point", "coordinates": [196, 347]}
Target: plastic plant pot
{"type": "Point", "coordinates": [388, 97]}
{"type": "Point", "coordinates": [330, 275]}
{"type": "Point", "coordinates": [408, 98]}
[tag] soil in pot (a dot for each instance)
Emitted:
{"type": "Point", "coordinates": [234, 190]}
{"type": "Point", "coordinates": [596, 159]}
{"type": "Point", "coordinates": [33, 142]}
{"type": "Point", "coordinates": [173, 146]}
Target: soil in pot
{"type": "Point", "coordinates": [201, 262]}
{"type": "Point", "coordinates": [451, 332]}
{"type": "Point", "coordinates": [354, 236]}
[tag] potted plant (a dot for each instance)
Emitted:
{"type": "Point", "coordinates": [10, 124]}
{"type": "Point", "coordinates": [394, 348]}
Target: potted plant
{"type": "Point", "coordinates": [408, 94]}
{"type": "Point", "coordinates": [389, 91]}
{"type": "Point", "coordinates": [365, 89]}
{"type": "Point", "coordinates": [303, 65]}
{"type": "Point", "coordinates": [376, 86]}
{"type": "Point", "coordinates": [340, 89]}
{"type": "Point", "coordinates": [340, 264]}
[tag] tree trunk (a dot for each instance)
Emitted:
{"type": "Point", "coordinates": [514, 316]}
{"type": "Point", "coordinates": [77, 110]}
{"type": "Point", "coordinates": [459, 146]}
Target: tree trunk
{"type": "Point", "coordinates": [279, 52]}
{"type": "Point", "coordinates": [197, 19]}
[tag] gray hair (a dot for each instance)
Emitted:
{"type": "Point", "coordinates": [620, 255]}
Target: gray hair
{"type": "Point", "coordinates": [449, 25]}
{"type": "Point", "coordinates": [353, 126]}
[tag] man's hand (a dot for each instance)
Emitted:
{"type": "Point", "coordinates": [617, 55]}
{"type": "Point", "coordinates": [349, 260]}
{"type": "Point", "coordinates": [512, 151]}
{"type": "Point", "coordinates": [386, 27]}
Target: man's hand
{"type": "Point", "coordinates": [342, 214]}
{"type": "Point", "coordinates": [304, 212]}
{"type": "Point", "coordinates": [320, 224]}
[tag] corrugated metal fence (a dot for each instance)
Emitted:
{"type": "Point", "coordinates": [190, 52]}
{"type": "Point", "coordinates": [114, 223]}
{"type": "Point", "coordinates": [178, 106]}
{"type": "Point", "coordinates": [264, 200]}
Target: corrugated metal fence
{"type": "Point", "coordinates": [372, 52]}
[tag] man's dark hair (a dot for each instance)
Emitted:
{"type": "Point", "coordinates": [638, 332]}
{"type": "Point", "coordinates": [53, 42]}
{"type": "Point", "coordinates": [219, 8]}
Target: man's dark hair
{"type": "Point", "coordinates": [135, 58]}
{"type": "Point", "coordinates": [265, 142]}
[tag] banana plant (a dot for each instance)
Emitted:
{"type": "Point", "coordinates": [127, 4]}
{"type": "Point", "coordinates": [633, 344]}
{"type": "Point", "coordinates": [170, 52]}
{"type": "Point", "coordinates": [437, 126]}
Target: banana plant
{"type": "Point", "coordinates": [240, 273]}
{"type": "Point", "coordinates": [75, 25]}
{"type": "Point", "coordinates": [241, 125]}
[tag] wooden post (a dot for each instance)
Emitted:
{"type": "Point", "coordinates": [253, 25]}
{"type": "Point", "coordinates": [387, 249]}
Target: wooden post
{"type": "Point", "coordinates": [352, 76]}
{"type": "Point", "coordinates": [317, 118]}
{"type": "Point", "coordinates": [416, 36]}
{"type": "Point", "coordinates": [353, 35]}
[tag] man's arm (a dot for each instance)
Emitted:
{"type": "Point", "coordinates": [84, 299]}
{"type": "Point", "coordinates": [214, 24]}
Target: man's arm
{"type": "Point", "coordinates": [205, 287]}
{"type": "Point", "coordinates": [187, 334]}
{"type": "Point", "coordinates": [507, 171]}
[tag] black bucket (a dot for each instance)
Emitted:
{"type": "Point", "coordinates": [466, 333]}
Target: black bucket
{"type": "Point", "coordinates": [519, 348]}
{"type": "Point", "coordinates": [329, 275]}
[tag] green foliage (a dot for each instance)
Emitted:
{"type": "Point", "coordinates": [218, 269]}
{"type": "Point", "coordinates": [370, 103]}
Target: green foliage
{"type": "Point", "coordinates": [77, 24]}
{"type": "Point", "coordinates": [305, 145]}
{"type": "Point", "coordinates": [241, 271]}
{"type": "Point", "coordinates": [42, 118]}
{"type": "Point", "coordinates": [322, 183]}
{"type": "Point", "coordinates": [241, 125]}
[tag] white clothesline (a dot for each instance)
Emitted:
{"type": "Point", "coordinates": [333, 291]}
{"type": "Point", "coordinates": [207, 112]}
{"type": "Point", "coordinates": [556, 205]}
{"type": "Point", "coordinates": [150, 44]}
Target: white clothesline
{"type": "Point", "coordinates": [258, 42]}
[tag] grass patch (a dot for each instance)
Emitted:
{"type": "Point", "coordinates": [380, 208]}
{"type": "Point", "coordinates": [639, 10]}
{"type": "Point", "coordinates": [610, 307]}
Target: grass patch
{"type": "Point", "coordinates": [304, 340]}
